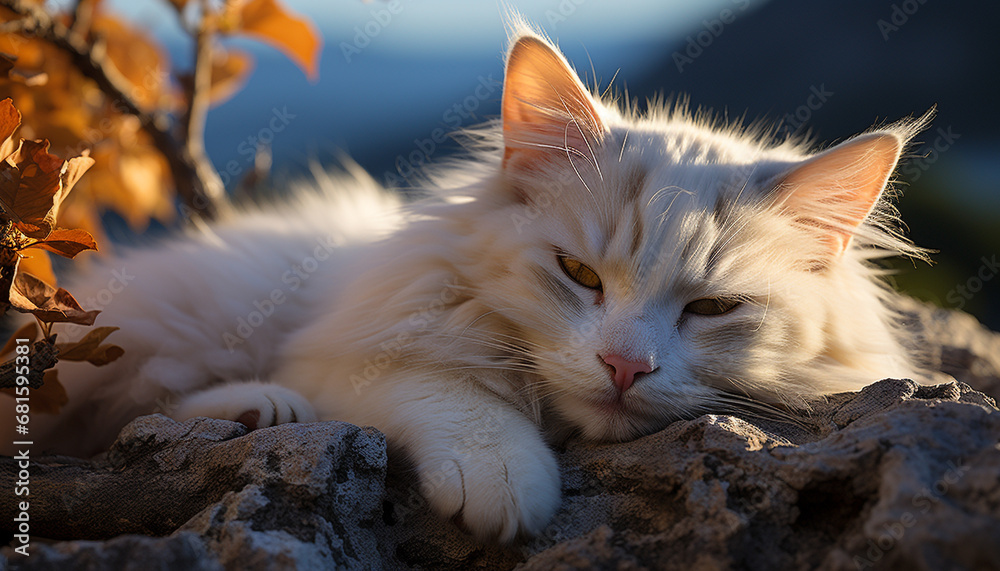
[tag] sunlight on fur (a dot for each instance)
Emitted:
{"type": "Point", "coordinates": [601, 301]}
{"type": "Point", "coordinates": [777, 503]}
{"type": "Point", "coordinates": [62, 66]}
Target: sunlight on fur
{"type": "Point", "coordinates": [585, 269]}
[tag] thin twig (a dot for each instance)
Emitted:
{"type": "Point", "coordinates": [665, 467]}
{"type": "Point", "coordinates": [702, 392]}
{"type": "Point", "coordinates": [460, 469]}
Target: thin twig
{"type": "Point", "coordinates": [200, 101]}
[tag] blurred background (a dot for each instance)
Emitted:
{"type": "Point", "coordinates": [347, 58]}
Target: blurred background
{"type": "Point", "coordinates": [393, 73]}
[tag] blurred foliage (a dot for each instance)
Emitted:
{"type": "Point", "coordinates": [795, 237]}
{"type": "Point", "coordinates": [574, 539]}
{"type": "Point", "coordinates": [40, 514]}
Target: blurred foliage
{"type": "Point", "coordinates": [103, 93]}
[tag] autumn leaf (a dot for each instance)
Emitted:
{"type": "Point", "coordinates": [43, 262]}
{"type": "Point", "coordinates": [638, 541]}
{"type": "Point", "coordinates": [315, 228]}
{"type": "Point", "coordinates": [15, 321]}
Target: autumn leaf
{"type": "Point", "coordinates": [6, 63]}
{"type": "Point", "coordinates": [28, 294]}
{"type": "Point", "coordinates": [230, 71]}
{"type": "Point", "coordinates": [51, 396]}
{"type": "Point", "coordinates": [67, 243]}
{"type": "Point", "coordinates": [141, 61]}
{"type": "Point", "coordinates": [296, 36]}
{"type": "Point", "coordinates": [33, 183]}
{"type": "Point", "coordinates": [7, 70]}
{"type": "Point", "coordinates": [10, 120]}
{"type": "Point", "coordinates": [38, 264]}
{"type": "Point", "coordinates": [27, 331]}
{"type": "Point", "coordinates": [88, 346]}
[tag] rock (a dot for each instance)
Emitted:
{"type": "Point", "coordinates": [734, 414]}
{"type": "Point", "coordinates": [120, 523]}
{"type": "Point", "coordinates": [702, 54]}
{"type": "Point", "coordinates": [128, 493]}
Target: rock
{"type": "Point", "coordinates": [954, 343]}
{"type": "Point", "coordinates": [895, 476]}
{"type": "Point", "coordinates": [293, 496]}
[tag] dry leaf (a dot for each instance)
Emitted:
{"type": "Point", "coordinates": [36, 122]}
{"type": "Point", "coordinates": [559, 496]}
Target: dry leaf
{"type": "Point", "coordinates": [82, 349]}
{"type": "Point", "coordinates": [10, 120]}
{"type": "Point", "coordinates": [142, 62]}
{"type": "Point", "coordinates": [33, 183]}
{"type": "Point", "coordinates": [296, 36]}
{"type": "Point", "coordinates": [29, 294]}
{"type": "Point", "coordinates": [6, 63]}
{"type": "Point", "coordinates": [230, 71]}
{"type": "Point", "coordinates": [50, 397]}
{"type": "Point", "coordinates": [33, 79]}
{"type": "Point", "coordinates": [27, 331]}
{"type": "Point", "coordinates": [105, 354]}
{"type": "Point", "coordinates": [38, 264]}
{"type": "Point", "coordinates": [67, 243]}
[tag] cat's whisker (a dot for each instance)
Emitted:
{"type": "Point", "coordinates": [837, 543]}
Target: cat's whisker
{"type": "Point", "coordinates": [624, 140]}
{"type": "Point", "coordinates": [610, 85]}
{"type": "Point", "coordinates": [767, 304]}
{"type": "Point", "coordinates": [729, 402]}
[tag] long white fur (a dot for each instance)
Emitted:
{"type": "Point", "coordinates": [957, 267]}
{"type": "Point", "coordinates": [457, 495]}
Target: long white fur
{"type": "Point", "coordinates": [438, 322]}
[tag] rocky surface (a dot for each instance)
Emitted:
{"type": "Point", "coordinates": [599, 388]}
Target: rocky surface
{"type": "Point", "coordinates": [895, 476]}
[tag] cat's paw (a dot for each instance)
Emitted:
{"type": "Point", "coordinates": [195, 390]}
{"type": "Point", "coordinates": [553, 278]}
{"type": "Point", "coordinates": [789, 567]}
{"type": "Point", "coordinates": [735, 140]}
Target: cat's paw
{"type": "Point", "coordinates": [255, 404]}
{"type": "Point", "coordinates": [495, 491]}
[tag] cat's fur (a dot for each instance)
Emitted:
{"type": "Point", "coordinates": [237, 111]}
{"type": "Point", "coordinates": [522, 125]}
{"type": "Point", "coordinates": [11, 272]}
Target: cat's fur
{"type": "Point", "coordinates": [449, 324]}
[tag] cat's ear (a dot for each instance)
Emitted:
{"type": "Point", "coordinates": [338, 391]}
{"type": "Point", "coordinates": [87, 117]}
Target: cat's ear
{"type": "Point", "coordinates": [546, 111]}
{"type": "Point", "coordinates": [835, 191]}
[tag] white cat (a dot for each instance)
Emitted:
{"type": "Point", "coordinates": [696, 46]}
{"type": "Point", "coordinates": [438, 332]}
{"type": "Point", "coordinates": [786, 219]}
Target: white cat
{"type": "Point", "coordinates": [585, 270]}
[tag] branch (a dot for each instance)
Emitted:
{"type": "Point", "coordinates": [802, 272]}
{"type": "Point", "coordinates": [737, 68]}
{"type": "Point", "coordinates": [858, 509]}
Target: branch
{"type": "Point", "coordinates": [197, 182]}
{"type": "Point", "coordinates": [200, 100]}
{"type": "Point", "coordinates": [42, 358]}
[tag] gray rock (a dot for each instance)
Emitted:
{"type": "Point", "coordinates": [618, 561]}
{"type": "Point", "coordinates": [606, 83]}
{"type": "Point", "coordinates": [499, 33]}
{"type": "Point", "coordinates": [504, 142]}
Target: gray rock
{"type": "Point", "coordinates": [895, 476]}
{"type": "Point", "coordinates": [292, 496]}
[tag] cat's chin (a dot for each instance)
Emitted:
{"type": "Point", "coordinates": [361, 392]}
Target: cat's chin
{"type": "Point", "coordinates": [616, 418]}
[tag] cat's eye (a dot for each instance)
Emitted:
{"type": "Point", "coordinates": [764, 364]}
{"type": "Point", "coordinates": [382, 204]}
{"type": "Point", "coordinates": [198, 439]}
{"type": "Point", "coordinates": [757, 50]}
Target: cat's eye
{"type": "Point", "coordinates": [580, 272]}
{"type": "Point", "coordinates": [712, 305]}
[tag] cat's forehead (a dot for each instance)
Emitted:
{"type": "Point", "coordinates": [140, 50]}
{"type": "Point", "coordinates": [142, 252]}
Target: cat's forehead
{"type": "Point", "coordinates": [663, 199]}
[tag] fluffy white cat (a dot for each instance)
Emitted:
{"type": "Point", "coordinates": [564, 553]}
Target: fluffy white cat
{"type": "Point", "coordinates": [585, 269]}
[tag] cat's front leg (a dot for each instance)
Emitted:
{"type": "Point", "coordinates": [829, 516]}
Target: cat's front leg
{"type": "Point", "coordinates": [481, 462]}
{"type": "Point", "coordinates": [255, 404]}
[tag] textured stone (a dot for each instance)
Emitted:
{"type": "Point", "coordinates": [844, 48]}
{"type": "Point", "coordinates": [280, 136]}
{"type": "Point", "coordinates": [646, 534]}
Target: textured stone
{"type": "Point", "coordinates": [292, 496]}
{"type": "Point", "coordinates": [894, 476]}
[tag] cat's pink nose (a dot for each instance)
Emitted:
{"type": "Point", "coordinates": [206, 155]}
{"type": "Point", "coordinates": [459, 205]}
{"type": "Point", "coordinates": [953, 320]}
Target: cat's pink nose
{"type": "Point", "coordinates": [626, 371]}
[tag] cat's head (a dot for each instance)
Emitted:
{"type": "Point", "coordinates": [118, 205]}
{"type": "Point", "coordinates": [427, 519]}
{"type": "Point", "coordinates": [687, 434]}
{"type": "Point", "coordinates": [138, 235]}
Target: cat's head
{"type": "Point", "coordinates": [654, 263]}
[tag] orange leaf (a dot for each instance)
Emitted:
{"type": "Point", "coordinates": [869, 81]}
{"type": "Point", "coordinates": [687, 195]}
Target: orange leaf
{"type": "Point", "coordinates": [27, 331]}
{"type": "Point", "coordinates": [230, 70]}
{"type": "Point", "coordinates": [296, 36]}
{"type": "Point", "coordinates": [31, 79]}
{"type": "Point", "coordinates": [6, 63]}
{"type": "Point", "coordinates": [105, 354]}
{"type": "Point", "coordinates": [10, 120]}
{"type": "Point", "coordinates": [67, 243]}
{"type": "Point", "coordinates": [33, 182]}
{"type": "Point", "coordinates": [82, 349]}
{"type": "Point", "coordinates": [138, 58]}
{"type": "Point", "coordinates": [31, 295]}
{"type": "Point", "coordinates": [51, 396]}
{"type": "Point", "coordinates": [38, 264]}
